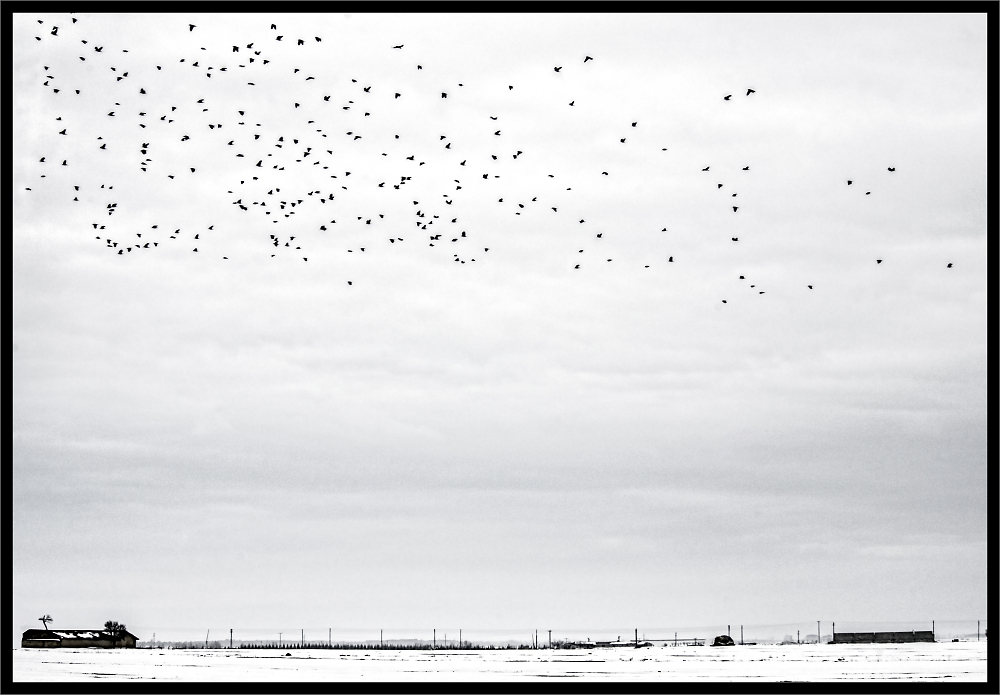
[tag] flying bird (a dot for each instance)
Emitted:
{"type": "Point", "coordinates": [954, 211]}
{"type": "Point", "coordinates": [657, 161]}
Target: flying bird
{"type": "Point", "coordinates": [557, 69]}
{"type": "Point", "coordinates": [750, 91]}
{"type": "Point", "coordinates": [191, 27]}
{"type": "Point", "coordinates": [879, 260]}
{"type": "Point", "coordinates": [399, 46]}
{"type": "Point", "coordinates": [587, 58]}
{"type": "Point", "coordinates": [726, 98]}
{"type": "Point", "coordinates": [705, 169]}
{"type": "Point", "coordinates": [949, 265]}
{"type": "Point", "coordinates": [892, 168]}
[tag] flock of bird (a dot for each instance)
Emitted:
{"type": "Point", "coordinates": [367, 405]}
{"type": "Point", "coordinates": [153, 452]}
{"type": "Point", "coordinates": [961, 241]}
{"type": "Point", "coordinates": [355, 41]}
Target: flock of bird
{"type": "Point", "coordinates": [262, 154]}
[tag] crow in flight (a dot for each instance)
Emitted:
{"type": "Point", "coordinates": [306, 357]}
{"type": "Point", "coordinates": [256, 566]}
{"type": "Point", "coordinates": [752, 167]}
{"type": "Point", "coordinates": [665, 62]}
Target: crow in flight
{"type": "Point", "coordinates": [587, 58]}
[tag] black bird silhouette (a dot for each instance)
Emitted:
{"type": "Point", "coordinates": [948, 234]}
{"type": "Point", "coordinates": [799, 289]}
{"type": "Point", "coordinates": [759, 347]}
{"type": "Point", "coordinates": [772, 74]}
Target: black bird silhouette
{"type": "Point", "coordinates": [623, 139]}
{"type": "Point", "coordinates": [444, 95]}
{"type": "Point", "coordinates": [720, 185]}
{"type": "Point", "coordinates": [879, 260]}
{"type": "Point", "coordinates": [949, 265]}
{"type": "Point", "coordinates": [399, 46]}
{"type": "Point", "coordinates": [670, 260]}
{"type": "Point", "coordinates": [735, 208]}
{"type": "Point", "coordinates": [572, 102]}
{"type": "Point", "coordinates": [849, 182]}
{"type": "Point", "coordinates": [633, 123]}
{"type": "Point", "coordinates": [809, 286]}
{"type": "Point", "coordinates": [736, 238]}
{"type": "Point", "coordinates": [191, 27]}
{"type": "Point", "coordinates": [723, 301]}
{"type": "Point", "coordinates": [586, 58]}
{"type": "Point", "coordinates": [746, 168]}
{"type": "Point", "coordinates": [892, 168]}
{"type": "Point", "coordinates": [705, 169]}
{"type": "Point", "coordinates": [496, 133]}
{"type": "Point", "coordinates": [750, 91]}
{"type": "Point", "coordinates": [576, 267]}
{"type": "Point", "coordinates": [726, 98]}
{"type": "Point", "coordinates": [557, 69]}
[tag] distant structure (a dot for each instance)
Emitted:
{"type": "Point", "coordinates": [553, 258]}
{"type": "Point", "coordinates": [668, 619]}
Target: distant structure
{"type": "Point", "coordinates": [882, 637]}
{"type": "Point", "coordinates": [723, 641]}
{"type": "Point", "coordinates": [51, 639]}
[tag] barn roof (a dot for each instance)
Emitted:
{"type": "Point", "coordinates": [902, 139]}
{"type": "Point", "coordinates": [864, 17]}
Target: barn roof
{"type": "Point", "coordinates": [36, 634]}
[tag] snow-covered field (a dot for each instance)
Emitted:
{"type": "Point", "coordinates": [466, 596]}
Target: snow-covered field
{"type": "Point", "coordinates": [956, 661]}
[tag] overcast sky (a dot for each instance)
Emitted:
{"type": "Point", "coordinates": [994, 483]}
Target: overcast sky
{"type": "Point", "coordinates": [238, 437]}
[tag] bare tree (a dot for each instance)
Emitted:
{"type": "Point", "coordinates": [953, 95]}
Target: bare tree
{"type": "Point", "coordinates": [46, 619]}
{"type": "Point", "coordinates": [115, 628]}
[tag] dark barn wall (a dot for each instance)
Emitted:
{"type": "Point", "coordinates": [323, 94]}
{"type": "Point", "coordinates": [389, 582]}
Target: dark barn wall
{"type": "Point", "coordinates": [883, 637]}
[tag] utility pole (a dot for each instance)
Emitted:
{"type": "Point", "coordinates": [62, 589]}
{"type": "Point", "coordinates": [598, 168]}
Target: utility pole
{"type": "Point", "coordinates": [380, 640]}
{"type": "Point", "coordinates": [834, 631]}
{"type": "Point", "coordinates": [230, 638]}
{"type": "Point", "coordinates": [819, 635]}
{"type": "Point", "coordinates": [636, 638]}
{"type": "Point", "coordinates": [977, 632]}
{"type": "Point", "coordinates": [675, 639]}
{"type": "Point", "coordinates": [797, 640]}
{"type": "Point", "coordinates": [302, 639]}
{"type": "Point", "coordinates": [435, 638]}
{"type": "Point", "coordinates": [741, 634]}
{"type": "Point", "coordinates": [206, 637]}
{"type": "Point", "coordinates": [279, 639]}
{"type": "Point", "coordinates": [329, 638]}
{"type": "Point", "coordinates": [728, 631]}
{"type": "Point", "coordinates": [933, 636]}
{"type": "Point", "coordinates": [550, 639]}
{"type": "Point", "coordinates": [459, 638]}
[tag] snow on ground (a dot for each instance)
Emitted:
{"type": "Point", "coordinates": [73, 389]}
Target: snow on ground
{"type": "Point", "coordinates": [955, 661]}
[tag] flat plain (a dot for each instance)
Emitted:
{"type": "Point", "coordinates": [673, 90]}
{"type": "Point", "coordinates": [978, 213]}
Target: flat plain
{"type": "Point", "coordinates": [949, 661]}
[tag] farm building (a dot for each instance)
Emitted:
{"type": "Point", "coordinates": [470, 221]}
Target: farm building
{"type": "Point", "coordinates": [76, 638]}
{"type": "Point", "coordinates": [882, 637]}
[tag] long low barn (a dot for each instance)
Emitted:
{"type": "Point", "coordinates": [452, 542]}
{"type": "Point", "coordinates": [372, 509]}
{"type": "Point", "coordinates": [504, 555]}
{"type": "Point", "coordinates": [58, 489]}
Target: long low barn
{"type": "Point", "coordinates": [76, 638]}
{"type": "Point", "coordinates": [882, 637]}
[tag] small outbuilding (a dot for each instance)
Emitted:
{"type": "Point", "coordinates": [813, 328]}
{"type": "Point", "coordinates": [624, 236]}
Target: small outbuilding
{"type": "Point", "coordinates": [723, 641]}
{"type": "Point", "coordinates": [49, 639]}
